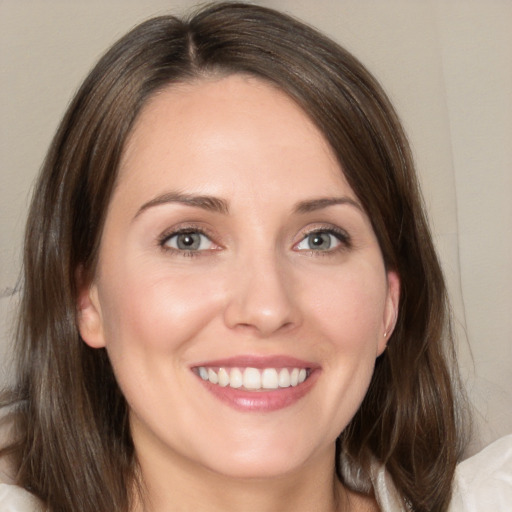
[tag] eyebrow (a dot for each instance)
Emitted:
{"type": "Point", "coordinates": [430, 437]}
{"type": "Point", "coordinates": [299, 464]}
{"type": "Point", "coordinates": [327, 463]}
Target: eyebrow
{"type": "Point", "coordinates": [218, 205]}
{"type": "Point", "coordinates": [324, 202]}
{"type": "Point", "coordinates": [209, 203]}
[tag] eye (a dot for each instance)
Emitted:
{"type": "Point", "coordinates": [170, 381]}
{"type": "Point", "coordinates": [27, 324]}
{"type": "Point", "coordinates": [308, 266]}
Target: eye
{"type": "Point", "coordinates": [322, 240]}
{"type": "Point", "coordinates": [188, 241]}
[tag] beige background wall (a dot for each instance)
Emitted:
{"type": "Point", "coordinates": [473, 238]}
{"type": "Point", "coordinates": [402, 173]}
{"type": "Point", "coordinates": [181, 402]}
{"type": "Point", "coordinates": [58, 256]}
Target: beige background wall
{"type": "Point", "coordinates": [447, 65]}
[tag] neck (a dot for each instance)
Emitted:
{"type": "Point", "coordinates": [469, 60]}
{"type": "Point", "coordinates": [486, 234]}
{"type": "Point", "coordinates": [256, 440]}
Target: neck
{"type": "Point", "coordinates": [185, 487]}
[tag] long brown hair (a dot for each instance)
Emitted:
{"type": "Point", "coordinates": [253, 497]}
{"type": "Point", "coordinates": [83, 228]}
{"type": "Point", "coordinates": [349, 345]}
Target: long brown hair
{"type": "Point", "coordinates": [73, 447]}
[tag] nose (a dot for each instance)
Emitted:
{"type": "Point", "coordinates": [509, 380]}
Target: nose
{"type": "Point", "coordinates": [261, 298]}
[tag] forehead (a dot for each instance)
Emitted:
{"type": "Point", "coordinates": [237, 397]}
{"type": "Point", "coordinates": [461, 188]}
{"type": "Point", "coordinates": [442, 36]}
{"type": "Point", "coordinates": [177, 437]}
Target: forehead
{"type": "Point", "coordinates": [204, 133]}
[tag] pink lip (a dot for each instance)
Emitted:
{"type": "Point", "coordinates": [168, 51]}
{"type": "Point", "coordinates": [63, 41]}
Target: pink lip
{"type": "Point", "coordinates": [264, 400]}
{"type": "Point", "coordinates": [260, 362]}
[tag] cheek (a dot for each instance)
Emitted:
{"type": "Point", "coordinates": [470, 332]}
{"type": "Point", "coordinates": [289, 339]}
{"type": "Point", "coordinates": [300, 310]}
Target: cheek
{"type": "Point", "coordinates": [155, 310]}
{"type": "Point", "coordinates": [348, 306]}
{"type": "Point", "coordinates": [348, 313]}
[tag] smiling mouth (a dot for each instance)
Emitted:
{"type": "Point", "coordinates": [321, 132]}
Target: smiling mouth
{"type": "Point", "coordinates": [253, 379]}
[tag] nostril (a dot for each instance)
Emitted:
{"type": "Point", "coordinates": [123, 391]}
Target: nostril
{"type": "Point", "coordinates": [263, 327]}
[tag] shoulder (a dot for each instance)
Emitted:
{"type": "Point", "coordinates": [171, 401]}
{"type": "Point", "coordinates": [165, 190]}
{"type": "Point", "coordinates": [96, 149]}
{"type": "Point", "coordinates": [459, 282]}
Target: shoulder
{"type": "Point", "coordinates": [12, 497]}
{"type": "Point", "coordinates": [484, 481]}
{"type": "Point", "coordinates": [376, 482]}
{"type": "Point", "coordinates": [16, 499]}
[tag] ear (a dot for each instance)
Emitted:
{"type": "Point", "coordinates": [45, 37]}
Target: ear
{"type": "Point", "coordinates": [90, 323]}
{"type": "Point", "coordinates": [390, 310]}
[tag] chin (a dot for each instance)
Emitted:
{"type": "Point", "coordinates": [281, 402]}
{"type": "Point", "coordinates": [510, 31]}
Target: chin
{"type": "Point", "coordinates": [259, 469]}
{"type": "Point", "coordinates": [257, 462]}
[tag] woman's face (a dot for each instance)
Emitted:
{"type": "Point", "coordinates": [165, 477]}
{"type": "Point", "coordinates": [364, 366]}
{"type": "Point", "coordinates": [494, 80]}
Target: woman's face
{"type": "Point", "coordinates": [240, 292]}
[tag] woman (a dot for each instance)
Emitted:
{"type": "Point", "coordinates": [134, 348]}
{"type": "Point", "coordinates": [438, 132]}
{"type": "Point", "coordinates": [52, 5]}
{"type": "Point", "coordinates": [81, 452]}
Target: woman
{"type": "Point", "coordinates": [231, 296]}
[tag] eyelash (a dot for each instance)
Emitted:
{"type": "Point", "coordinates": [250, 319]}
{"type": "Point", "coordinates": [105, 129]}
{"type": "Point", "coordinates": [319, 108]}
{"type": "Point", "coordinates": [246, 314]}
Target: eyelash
{"type": "Point", "coordinates": [341, 235]}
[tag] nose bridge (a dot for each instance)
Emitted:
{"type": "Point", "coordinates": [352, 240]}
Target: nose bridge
{"type": "Point", "coordinates": [261, 295]}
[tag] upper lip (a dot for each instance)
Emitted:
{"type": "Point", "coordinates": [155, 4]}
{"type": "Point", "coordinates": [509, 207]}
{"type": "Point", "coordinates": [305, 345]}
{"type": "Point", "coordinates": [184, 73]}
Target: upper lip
{"type": "Point", "coordinates": [261, 362]}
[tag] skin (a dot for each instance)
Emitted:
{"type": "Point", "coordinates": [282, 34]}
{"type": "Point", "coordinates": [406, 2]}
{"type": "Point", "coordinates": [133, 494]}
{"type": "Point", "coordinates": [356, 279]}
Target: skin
{"type": "Point", "coordinates": [159, 311]}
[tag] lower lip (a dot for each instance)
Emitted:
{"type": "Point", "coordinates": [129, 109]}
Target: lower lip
{"type": "Point", "coordinates": [261, 401]}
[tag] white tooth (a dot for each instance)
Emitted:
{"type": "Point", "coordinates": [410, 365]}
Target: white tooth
{"type": "Point", "coordinates": [252, 378]}
{"type": "Point", "coordinates": [294, 377]}
{"type": "Point", "coordinates": [284, 378]}
{"type": "Point", "coordinates": [212, 376]}
{"type": "Point", "coordinates": [302, 375]}
{"type": "Point", "coordinates": [223, 377]}
{"type": "Point", "coordinates": [269, 379]}
{"type": "Point", "coordinates": [235, 378]}
{"type": "Point", "coordinates": [203, 373]}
